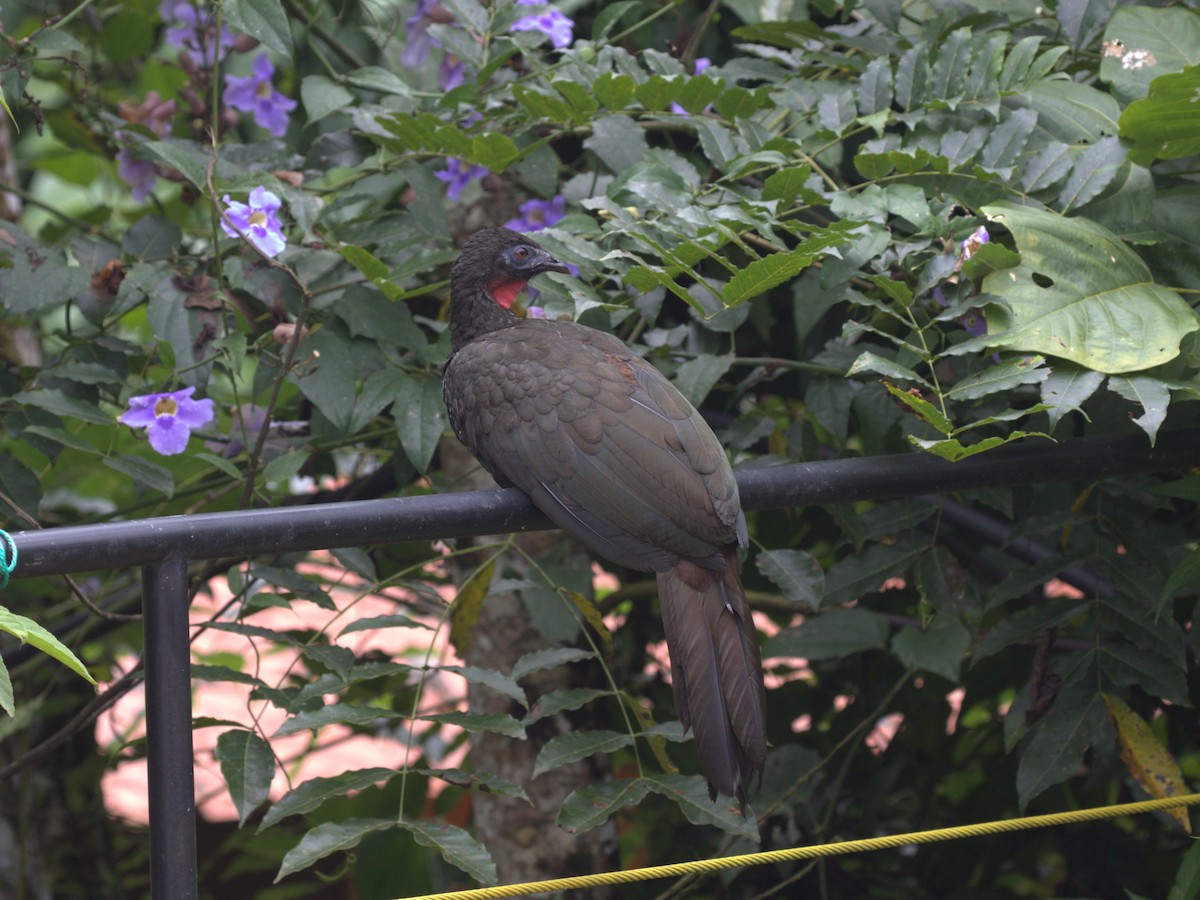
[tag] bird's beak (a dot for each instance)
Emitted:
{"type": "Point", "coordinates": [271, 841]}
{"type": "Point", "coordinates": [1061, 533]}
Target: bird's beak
{"type": "Point", "coordinates": [547, 262]}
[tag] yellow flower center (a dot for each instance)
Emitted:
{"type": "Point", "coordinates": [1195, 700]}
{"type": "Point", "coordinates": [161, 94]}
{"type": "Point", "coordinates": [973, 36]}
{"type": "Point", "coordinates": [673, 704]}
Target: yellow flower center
{"type": "Point", "coordinates": [258, 217]}
{"type": "Point", "coordinates": [263, 89]}
{"type": "Point", "coordinates": [165, 406]}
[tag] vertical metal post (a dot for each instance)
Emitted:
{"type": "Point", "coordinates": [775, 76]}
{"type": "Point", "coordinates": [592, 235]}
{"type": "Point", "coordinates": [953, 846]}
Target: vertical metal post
{"type": "Point", "coordinates": [169, 730]}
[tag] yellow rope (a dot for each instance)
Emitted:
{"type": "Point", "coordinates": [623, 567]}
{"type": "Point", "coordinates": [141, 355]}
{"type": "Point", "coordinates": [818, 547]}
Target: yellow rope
{"type": "Point", "coordinates": [837, 849]}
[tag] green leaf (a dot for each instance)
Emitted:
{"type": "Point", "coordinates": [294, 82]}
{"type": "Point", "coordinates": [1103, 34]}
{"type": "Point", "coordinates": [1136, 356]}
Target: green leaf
{"type": "Point", "coordinates": [953, 450]}
{"type": "Point", "coordinates": [690, 794]}
{"type": "Point", "coordinates": [1149, 669]}
{"type": "Point", "coordinates": [372, 623]}
{"type": "Point", "coordinates": [1142, 43]}
{"type": "Point", "coordinates": [548, 658]}
{"type": "Point", "coordinates": [265, 19]}
{"type": "Point", "coordinates": [281, 469]}
{"type": "Point", "coordinates": [322, 96]}
{"type": "Point", "coordinates": [420, 415]}
{"type": "Point", "coordinates": [1081, 294]}
{"type": "Point", "coordinates": [796, 573]}
{"type": "Point", "coordinates": [313, 793]}
{"type": "Point", "coordinates": [555, 702]}
{"type": "Point", "coordinates": [696, 377]}
{"type": "Point", "coordinates": [864, 573]}
{"type": "Point", "coordinates": [379, 79]}
{"type": "Point", "coordinates": [1187, 879]}
{"type": "Point", "coordinates": [583, 104]}
{"type": "Point", "coordinates": [1005, 376]}
{"type": "Point", "coordinates": [334, 713]}
{"type": "Point", "coordinates": [248, 765]}
{"type": "Point", "coordinates": [875, 87]}
{"type": "Point", "coordinates": [615, 91]}
{"type": "Point", "coordinates": [593, 805]}
{"type": "Point", "coordinates": [497, 681]}
{"type": "Point", "coordinates": [1094, 170]}
{"type": "Point", "coordinates": [1184, 579]}
{"type": "Point", "coordinates": [763, 274]}
{"type": "Point", "coordinates": [739, 103]}
{"type": "Point", "coordinates": [1067, 388]}
{"type": "Point", "coordinates": [497, 723]}
{"type": "Point", "coordinates": [940, 649]}
{"type": "Point", "coordinates": [30, 632]}
{"type": "Point", "coordinates": [8, 701]}
{"type": "Point", "coordinates": [834, 634]}
{"type": "Point", "coordinates": [697, 93]}
{"type": "Point", "coordinates": [327, 838]}
{"type": "Point", "coordinates": [146, 473]}
{"type": "Point", "coordinates": [1056, 748]}
{"type": "Point", "coordinates": [608, 16]}
{"type": "Point", "coordinates": [494, 151]}
{"type": "Point", "coordinates": [657, 93]}
{"type": "Point", "coordinates": [1027, 625]}
{"type": "Point", "coordinates": [1151, 393]}
{"type": "Point", "coordinates": [618, 141]}
{"type": "Point", "coordinates": [925, 410]}
{"type": "Point", "coordinates": [60, 436]}
{"type": "Point", "coordinates": [127, 35]}
{"type": "Point", "coordinates": [1070, 111]}
{"type": "Point", "coordinates": [457, 847]}
{"type": "Point", "coordinates": [870, 361]}
{"type": "Point", "coordinates": [542, 105]}
{"type": "Point", "coordinates": [912, 77]}
{"type": "Point", "coordinates": [786, 184]}
{"type": "Point", "coordinates": [577, 745]}
{"type": "Point", "coordinates": [55, 401]}
{"type": "Point", "coordinates": [1164, 125]}
{"type": "Point", "coordinates": [186, 157]}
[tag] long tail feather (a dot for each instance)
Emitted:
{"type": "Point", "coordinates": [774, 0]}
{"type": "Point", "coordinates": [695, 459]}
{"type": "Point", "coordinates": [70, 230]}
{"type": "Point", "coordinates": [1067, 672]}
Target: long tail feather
{"type": "Point", "coordinates": [716, 669]}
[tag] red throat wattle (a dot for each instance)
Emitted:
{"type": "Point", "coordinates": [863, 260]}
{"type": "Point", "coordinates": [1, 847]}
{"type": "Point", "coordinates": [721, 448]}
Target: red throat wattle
{"type": "Point", "coordinates": [505, 292]}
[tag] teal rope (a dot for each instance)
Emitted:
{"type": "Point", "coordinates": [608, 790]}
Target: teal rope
{"type": "Point", "coordinates": [6, 565]}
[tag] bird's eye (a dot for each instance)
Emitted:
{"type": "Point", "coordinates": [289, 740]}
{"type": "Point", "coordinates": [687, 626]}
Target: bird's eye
{"type": "Point", "coordinates": [521, 252]}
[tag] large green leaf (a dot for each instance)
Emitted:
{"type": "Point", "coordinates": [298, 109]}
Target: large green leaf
{"type": "Point", "coordinates": [1141, 43]}
{"type": "Point", "coordinates": [30, 632]}
{"type": "Point", "coordinates": [1165, 125]}
{"type": "Point", "coordinates": [248, 766]}
{"type": "Point", "coordinates": [1056, 749]}
{"type": "Point", "coordinates": [1081, 294]}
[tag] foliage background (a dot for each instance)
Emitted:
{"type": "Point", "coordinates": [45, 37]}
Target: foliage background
{"type": "Point", "coordinates": [782, 232]}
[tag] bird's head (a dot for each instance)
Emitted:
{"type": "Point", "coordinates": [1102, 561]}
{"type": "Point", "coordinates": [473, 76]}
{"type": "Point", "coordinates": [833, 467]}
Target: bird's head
{"type": "Point", "coordinates": [501, 261]}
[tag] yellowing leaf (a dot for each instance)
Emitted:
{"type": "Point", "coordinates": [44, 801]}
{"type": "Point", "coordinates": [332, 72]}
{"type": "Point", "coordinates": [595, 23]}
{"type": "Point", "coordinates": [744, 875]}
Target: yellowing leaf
{"type": "Point", "coordinates": [468, 604]}
{"type": "Point", "coordinates": [1148, 761]}
{"type": "Point", "coordinates": [591, 615]}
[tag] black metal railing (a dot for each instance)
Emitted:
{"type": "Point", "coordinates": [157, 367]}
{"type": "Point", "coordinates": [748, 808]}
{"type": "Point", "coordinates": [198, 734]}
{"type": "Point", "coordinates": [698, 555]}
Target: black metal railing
{"type": "Point", "coordinates": [164, 547]}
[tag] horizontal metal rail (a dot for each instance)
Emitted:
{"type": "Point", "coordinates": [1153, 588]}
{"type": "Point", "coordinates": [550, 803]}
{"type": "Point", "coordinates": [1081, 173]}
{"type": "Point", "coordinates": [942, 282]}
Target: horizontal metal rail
{"type": "Point", "coordinates": [164, 546]}
{"type": "Point", "coordinates": [243, 533]}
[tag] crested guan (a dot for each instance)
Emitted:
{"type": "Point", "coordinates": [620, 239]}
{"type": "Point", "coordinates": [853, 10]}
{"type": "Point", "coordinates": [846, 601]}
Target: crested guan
{"type": "Point", "coordinates": [608, 448]}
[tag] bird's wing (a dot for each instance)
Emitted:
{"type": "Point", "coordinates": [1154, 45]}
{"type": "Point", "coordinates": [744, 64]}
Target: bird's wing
{"type": "Point", "coordinates": [600, 440]}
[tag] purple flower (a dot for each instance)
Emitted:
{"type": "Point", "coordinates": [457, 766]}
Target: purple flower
{"type": "Point", "coordinates": [702, 63]}
{"type": "Point", "coordinates": [189, 30]}
{"type": "Point", "coordinates": [155, 114]}
{"type": "Point", "coordinates": [139, 174]}
{"type": "Point", "coordinates": [256, 94]}
{"type": "Point", "coordinates": [168, 418]}
{"type": "Point", "coordinates": [416, 51]}
{"type": "Point", "coordinates": [553, 24]}
{"type": "Point", "coordinates": [457, 176]}
{"type": "Point", "coordinates": [257, 221]}
{"type": "Point", "coordinates": [539, 214]}
{"type": "Point", "coordinates": [451, 73]}
{"type": "Point", "coordinates": [971, 245]}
